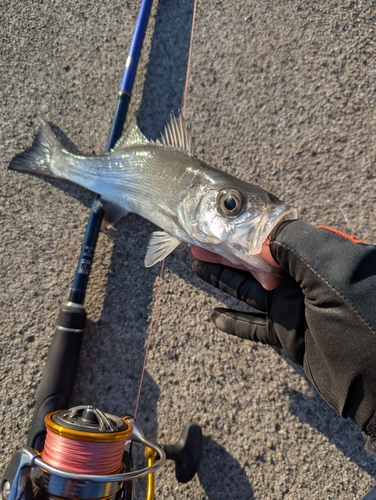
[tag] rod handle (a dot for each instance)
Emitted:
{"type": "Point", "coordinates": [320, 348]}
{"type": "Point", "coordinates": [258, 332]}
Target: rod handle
{"type": "Point", "coordinates": [60, 371]}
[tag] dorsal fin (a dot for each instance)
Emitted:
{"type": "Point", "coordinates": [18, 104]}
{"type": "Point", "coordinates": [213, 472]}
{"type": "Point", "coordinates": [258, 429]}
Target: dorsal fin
{"type": "Point", "coordinates": [177, 134]}
{"type": "Point", "coordinates": [131, 137]}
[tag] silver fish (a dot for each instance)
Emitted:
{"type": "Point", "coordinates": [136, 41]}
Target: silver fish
{"type": "Point", "coordinates": [165, 183]}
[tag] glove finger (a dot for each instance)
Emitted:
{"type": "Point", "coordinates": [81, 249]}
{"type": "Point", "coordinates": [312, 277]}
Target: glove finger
{"type": "Point", "coordinates": [239, 284]}
{"type": "Point", "coordinates": [244, 325]}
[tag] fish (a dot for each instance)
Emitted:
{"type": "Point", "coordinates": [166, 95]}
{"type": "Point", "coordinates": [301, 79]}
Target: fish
{"type": "Point", "coordinates": [164, 182]}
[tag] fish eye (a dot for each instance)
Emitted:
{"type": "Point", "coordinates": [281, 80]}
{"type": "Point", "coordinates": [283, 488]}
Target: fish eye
{"type": "Point", "coordinates": [230, 202]}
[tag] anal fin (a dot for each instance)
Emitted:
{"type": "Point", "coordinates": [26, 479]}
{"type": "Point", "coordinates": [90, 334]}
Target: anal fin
{"type": "Point", "coordinates": [112, 213]}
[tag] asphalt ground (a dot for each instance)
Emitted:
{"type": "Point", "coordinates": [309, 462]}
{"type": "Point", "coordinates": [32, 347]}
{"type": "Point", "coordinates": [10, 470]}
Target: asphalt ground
{"type": "Point", "coordinates": [281, 94]}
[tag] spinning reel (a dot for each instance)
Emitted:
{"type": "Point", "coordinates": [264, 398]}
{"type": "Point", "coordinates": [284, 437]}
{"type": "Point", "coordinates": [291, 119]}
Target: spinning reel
{"type": "Point", "coordinates": [87, 455]}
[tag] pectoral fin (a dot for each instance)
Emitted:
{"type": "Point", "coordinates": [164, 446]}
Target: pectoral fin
{"type": "Point", "coordinates": [160, 245]}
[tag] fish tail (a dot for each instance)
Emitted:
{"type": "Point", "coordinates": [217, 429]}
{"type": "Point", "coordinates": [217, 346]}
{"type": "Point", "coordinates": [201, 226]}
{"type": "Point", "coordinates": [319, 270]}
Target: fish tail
{"type": "Point", "coordinates": [40, 158]}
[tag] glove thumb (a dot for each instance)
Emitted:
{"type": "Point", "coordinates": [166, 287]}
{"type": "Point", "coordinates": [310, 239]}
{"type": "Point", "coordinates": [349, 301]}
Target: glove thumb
{"type": "Point", "coordinates": [249, 326]}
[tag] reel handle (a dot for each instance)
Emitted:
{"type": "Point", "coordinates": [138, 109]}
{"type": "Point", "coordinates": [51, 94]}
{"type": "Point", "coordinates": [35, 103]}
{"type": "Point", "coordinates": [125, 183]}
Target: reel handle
{"type": "Point", "coordinates": [186, 452]}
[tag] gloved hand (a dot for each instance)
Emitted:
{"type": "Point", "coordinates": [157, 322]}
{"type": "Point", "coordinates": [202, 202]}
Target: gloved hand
{"type": "Point", "coordinates": [323, 313]}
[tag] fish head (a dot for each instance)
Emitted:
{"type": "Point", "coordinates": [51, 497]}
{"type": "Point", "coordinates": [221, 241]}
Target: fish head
{"type": "Point", "coordinates": [234, 220]}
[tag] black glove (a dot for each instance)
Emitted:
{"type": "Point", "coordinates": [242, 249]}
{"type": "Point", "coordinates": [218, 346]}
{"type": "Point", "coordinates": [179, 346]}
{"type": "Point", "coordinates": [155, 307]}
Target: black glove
{"type": "Point", "coordinates": [323, 314]}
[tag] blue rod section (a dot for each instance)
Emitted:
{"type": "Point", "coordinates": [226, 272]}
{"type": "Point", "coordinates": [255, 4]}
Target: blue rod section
{"type": "Point", "coordinates": [135, 49]}
{"type": "Point", "coordinates": [96, 216]}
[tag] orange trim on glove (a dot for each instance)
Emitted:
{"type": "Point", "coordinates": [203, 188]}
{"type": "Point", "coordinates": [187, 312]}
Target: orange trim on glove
{"type": "Point", "coordinates": [350, 237]}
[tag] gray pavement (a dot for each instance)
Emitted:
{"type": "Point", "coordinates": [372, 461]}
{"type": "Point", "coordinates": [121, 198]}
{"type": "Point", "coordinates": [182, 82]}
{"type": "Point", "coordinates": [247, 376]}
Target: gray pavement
{"type": "Point", "coordinates": [281, 94]}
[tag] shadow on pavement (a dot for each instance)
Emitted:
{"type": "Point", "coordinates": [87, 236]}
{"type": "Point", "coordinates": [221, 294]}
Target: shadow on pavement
{"type": "Point", "coordinates": [221, 475]}
{"type": "Point", "coordinates": [343, 433]}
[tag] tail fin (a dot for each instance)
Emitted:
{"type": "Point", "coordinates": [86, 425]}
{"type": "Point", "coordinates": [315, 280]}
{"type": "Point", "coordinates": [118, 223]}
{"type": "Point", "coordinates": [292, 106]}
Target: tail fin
{"type": "Point", "coordinates": [38, 159]}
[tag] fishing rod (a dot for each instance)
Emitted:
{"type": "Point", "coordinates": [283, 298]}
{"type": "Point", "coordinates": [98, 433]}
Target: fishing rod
{"type": "Point", "coordinates": [51, 463]}
{"type": "Point", "coordinates": [62, 362]}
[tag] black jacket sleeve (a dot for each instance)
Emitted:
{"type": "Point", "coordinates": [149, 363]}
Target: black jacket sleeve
{"type": "Point", "coordinates": [323, 314]}
{"type": "Point", "coordinates": [338, 282]}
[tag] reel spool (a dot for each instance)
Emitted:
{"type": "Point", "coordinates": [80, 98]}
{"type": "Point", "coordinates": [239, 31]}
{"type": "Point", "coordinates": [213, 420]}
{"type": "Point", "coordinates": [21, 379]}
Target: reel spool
{"type": "Point", "coordinates": [85, 440]}
{"type": "Point", "coordinates": [82, 458]}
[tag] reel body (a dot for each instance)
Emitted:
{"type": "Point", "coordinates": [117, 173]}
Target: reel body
{"type": "Point", "coordinates": [84, 457]}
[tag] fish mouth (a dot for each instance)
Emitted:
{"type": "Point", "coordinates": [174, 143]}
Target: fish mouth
{"type": "Point", "coordinates": [247, 241]}
{"type": "Point", "coordinates": [269, 220]}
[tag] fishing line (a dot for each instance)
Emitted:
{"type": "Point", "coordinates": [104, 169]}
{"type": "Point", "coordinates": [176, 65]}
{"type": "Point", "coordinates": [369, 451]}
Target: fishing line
{"type": "Point", "coordinates": [82, 457]}
{"type": "Point", "coordinates": [148, 340]}
{"type": "Point", "coordinates": [150, 329]}
{"type": "Point", "coordinates": [184, 106]}
{"type": "Point", "coordinates": [85, 440]}
{"type": "Point", "coordinates": [183, 110]}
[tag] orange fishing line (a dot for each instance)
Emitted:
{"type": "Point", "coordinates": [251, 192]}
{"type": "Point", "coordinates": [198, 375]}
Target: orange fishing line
{"type": "Point", "coordinates": [150, 330]}
{"type": "Point", "coordinates": [82, 457]}
{"type": "Point", "coordinates": [189, 60]}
